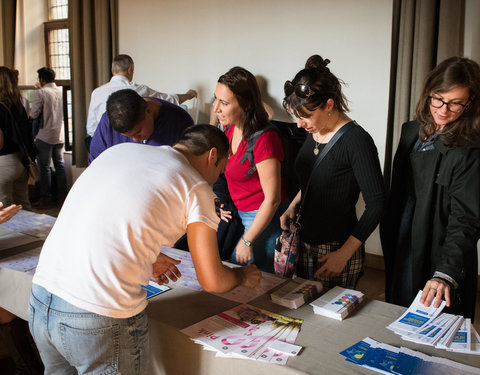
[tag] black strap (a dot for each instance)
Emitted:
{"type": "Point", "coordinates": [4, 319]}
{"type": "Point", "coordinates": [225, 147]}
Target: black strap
{"type": "Point", "coordinates": [320, 157]}
{"type": "Point", "coordinates": [249, 150]}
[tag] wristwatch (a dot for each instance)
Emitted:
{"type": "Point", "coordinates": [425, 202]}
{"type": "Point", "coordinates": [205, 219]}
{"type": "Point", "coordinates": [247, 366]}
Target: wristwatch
{"type": "Point", "coordinates": [247, 242]}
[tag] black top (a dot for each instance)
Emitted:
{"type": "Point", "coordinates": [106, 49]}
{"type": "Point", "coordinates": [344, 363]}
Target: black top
{"type": "Point", "coordinates": [12, 142]}
{"type": "Point", "coordinates": [350, 167]}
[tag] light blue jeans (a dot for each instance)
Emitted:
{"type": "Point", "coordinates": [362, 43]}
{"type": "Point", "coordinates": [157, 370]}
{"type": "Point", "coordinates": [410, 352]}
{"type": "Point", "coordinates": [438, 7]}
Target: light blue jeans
{"type": "Point", "coordinates": [264, 245]}
{"type": "Point", "coordinates": [74, 341]}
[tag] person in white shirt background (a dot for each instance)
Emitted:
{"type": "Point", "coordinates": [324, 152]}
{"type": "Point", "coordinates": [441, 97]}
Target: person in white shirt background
{"type": "Point", "coordinates": [50, 139]}
{"type": "Point", "coordinates": [122, 72]}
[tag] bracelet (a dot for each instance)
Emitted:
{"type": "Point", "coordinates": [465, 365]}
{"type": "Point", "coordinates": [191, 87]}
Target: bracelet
{"type": "Point", "coordinates": [247, 242]}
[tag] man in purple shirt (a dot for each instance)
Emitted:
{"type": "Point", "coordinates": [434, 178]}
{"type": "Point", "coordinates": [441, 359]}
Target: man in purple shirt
{"type": "Point", "coordinates": [131, 118]}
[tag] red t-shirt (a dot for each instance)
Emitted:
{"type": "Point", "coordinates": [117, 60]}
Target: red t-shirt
{"type": "Point", "coordinates": [246, 193]}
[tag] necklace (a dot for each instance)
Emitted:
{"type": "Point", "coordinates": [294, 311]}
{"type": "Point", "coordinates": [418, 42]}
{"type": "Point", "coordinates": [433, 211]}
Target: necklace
{"type": "Point", "coordinates": [316, 151]}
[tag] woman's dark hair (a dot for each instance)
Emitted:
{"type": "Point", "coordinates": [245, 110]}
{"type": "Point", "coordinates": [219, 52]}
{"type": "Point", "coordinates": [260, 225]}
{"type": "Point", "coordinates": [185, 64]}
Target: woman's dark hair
{"type": "Point", "coordinates": [449, 74]}
{"type": "Point", "coordinates": [9, 91]}
{"type": "Point", "coordinates": [245, 88]}
{"type": "Point", "coordinates": [322, 82]}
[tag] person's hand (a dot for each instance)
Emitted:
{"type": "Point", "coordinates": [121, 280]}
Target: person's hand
{"type": "Point", "coordinates": [244, 253]}
{"type": "Point", "coordinates": [434, 290]}
{"type": "Point", "coordinates": [333, 264]}
{"type": "Point", "coordinates": [288, 215]}
{"type": "Point", "coordinates": [164, 269]}
{"type": "Point", "coordinates": [225, 215]}
{"type": "Point", "coordinates": [250, 275]}
{"type": "Point", "coordinates": [8, 212]}
{"type": "Point", "coordinates": [191, 94]}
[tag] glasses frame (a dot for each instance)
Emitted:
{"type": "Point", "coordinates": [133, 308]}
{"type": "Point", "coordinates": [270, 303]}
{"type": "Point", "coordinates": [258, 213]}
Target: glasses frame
{"type": "Point", "coordinates": [303, 91]}
{"type": "Point", "coordinates": [430, 97]}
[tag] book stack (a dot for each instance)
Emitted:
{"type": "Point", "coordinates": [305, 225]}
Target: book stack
{"type": "Point", "coordinates": [388, 359]}
{"type": "Point", "coordinates": [337, 303]}
{"type": "Point", "coordinates": [429, 326]}
{"type": "Point", "coordinates": [297, 292]}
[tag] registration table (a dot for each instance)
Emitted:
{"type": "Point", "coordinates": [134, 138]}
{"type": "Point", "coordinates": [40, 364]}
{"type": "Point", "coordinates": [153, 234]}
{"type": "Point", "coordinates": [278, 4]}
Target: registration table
{"type": "Point", "coordinates": [172, 352]}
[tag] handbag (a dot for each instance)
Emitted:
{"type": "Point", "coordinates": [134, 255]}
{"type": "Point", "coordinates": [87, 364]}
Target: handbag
{"type": "Point", "coordinates": [33, 171]}
{"type": "Point", "coordinates": [287, 245]}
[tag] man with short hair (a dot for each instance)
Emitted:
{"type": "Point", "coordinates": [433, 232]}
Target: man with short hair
{"type": "Point", "coordinates": [122, 76]}
{"type": "Point", "coordinates": [86, 301]}
{"type": "Point", "coordinates": [131, 118]}
{"type": "Point", "coordinates": [49, 141]}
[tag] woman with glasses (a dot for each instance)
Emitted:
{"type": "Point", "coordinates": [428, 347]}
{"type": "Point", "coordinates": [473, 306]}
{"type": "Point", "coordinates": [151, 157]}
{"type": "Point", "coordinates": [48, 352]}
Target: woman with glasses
{"type": "Point", "coordinates": [432, 224]}
{"type": "Point", "coordinates": [238, 106]}
{"type": "Point", "coordinates": [331, 235]}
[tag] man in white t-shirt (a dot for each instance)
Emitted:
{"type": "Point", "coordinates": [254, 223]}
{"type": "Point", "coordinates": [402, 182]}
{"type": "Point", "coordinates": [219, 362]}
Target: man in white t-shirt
{"type": "Point", "coordinates": [106, 243]}
{"type": "Point", "coordinates": [122, 76]}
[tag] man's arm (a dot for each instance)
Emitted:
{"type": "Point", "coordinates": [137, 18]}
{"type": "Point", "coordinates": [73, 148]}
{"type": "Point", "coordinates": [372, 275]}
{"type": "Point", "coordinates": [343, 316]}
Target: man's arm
{"type": "Point", "coordinates": [212, 274]}
{"type": "Point", "coordinates": [37, 105]}
{"type": "Point", "coordinates": [190, 94]}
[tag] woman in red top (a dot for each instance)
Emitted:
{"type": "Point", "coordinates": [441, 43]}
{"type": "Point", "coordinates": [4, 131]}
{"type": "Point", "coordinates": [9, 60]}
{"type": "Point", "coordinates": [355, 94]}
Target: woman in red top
{"type": "Point", "coordinates": [258, 198]}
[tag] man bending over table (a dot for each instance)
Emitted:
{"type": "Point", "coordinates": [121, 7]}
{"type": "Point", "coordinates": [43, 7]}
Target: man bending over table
{"type": "Point", "coordinates": [87, 307]}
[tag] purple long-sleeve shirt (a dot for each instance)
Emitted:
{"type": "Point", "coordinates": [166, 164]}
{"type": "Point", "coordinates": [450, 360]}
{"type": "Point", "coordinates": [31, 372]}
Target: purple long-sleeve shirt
{"type": "Point", "coordinates": [169, 125]}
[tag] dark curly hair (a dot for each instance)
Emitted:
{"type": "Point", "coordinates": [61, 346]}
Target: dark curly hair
{"type": "Point", "coordinates": [323, 82]}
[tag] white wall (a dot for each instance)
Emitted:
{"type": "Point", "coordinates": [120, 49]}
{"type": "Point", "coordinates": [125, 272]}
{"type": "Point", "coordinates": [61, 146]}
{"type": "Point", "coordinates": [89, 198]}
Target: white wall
{"type": "Point", "coordinates": [177, 45]}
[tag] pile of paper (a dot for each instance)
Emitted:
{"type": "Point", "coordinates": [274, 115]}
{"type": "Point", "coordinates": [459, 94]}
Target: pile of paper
{"type": "Point", "coordinates": [427, 325]}
{"type": "Point", "coordinates": [337, 303]}
{"type": "Point", "coordinates": [295, 293]}
{"type": "Point", "coordinates": [388, 359]}
{"type": "Point", "coordinates": [248, 332]}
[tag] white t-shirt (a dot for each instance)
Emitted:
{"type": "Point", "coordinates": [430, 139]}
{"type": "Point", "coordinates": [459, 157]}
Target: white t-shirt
{"type": "Point", "coordinates": [128, 203]}
{"type": "Point", "coordinates": [98, 99]}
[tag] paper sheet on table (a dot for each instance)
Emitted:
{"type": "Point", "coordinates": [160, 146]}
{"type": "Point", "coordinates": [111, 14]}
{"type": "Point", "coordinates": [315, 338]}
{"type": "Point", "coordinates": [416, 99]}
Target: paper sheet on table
{"type": "Point", "coordinates": [239, 294]}
{"type": "Point", "coordinates": [10, 238]}
{"type": "Point", "coordinates": [24, 262]}
{"type": "Point", "coordinates": [27, 222]}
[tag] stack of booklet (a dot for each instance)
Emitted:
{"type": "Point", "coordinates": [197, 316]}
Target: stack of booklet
{"type": "Point", "coordinates": [337, 303]}
{"type": "Point", "coordinates": [248, 332]}
{"type": "Point", "coordinates": [429, 326]}
{"type": "Point", "coordinates": [388, 359]}
{"type": "Point", "coordinates": [297, 292]}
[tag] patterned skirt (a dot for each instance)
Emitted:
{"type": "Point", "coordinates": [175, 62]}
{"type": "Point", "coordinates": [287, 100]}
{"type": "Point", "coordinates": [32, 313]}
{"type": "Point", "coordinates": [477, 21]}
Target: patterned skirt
{"type": "Point", "coordinates": [308, 264]}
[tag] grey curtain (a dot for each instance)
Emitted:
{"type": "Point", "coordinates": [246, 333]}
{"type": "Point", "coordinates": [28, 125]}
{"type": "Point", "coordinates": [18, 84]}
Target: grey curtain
{"type": "Point", "coordinates": [424, 33]}
{"type": "Point", "coordinates": [93, 32]}
{"type": "Point", "coordinates": [8, 12]}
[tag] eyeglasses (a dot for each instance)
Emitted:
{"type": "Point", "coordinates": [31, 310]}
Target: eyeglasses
{"type": "Point", "coordinates": [301, 90]}
{"type": "Point", "coordinates": [452, 107]}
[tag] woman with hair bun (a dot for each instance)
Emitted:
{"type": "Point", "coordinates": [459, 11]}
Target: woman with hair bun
{"type": "Point", "coordinates": [332, 237]}
{"type": "Point", "coordinates": [432, 224]}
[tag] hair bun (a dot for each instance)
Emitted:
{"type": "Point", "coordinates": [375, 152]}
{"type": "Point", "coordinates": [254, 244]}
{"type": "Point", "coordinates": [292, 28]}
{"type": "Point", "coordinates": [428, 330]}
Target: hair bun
{"type": "Point", "coordinates": [316, 62]}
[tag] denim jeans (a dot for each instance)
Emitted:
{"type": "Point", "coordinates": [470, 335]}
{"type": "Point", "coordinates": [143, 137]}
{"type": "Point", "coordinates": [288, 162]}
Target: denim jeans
{"type": "Point", "coordinates": [264, 245]}
{"type": "Point", "coordinates": [71, 340]}
{"type": "Point", "coordinates": [47, 152]}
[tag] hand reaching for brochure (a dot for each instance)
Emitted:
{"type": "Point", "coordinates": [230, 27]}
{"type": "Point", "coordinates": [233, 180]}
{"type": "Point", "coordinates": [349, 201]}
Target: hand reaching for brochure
{"type": "Point", "coordinates": [250, 275]}
{"type": "Point", "coordinates": [434, 290]}
{"type": "Point", "coordinates": [165, 269]}
{"type": "Point", "coordinates": [8, 212]}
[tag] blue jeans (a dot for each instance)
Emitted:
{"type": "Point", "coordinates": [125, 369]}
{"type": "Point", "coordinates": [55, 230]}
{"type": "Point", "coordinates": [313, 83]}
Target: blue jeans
{"type": "Point", "coordinates": [47, 152]}
{"type": "Point", "coordinates": [264, 245]}
{"type": "Point", "coordinates": [71, 340]}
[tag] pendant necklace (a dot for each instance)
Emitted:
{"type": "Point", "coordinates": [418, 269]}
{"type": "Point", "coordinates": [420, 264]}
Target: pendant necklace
{"type": "Point", "coordinates": [315, 150]}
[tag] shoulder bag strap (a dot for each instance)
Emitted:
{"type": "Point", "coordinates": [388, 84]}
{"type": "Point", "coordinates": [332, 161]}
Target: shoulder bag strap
{"type": "Point", "coordinates": [320, 157]}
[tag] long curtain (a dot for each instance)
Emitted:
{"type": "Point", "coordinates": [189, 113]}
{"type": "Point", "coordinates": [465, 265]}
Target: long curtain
{"type": "Point", "coordinates": [93, 32]}
{"type": "Point", "coordinates": [424, 33]}
{"type": "Point", "coordinates": [7, 29]}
